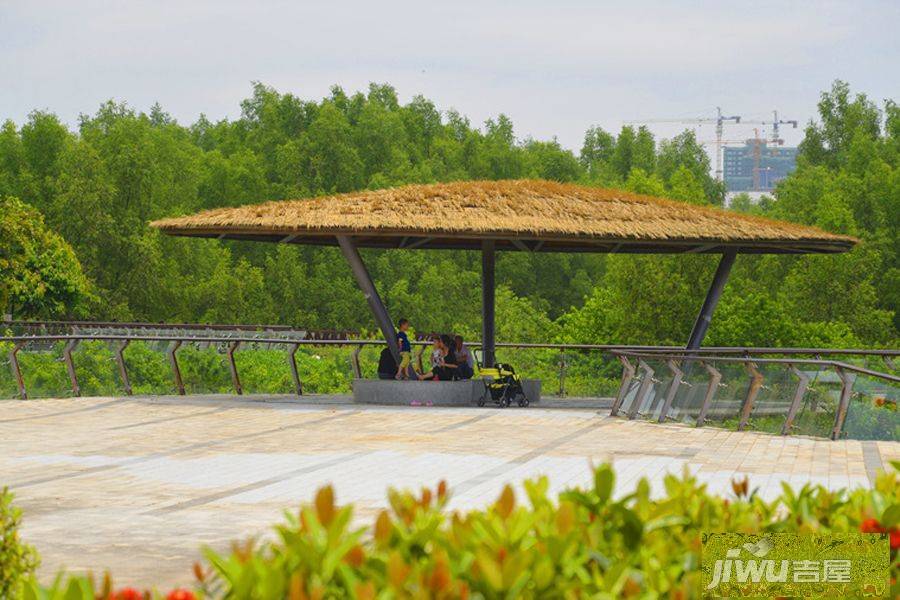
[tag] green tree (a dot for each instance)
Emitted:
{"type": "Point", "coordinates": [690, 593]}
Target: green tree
{"type": "Point", "coordinates": [39, 273]}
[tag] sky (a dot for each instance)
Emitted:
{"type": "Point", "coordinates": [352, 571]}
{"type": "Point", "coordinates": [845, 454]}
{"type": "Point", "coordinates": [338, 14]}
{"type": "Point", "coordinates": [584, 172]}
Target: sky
{"type": "Point", "coordinates": [554, 67]}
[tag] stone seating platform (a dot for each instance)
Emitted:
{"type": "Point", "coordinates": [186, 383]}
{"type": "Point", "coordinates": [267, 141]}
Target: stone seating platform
{"type": "Point", "coordinates": [439, 393]}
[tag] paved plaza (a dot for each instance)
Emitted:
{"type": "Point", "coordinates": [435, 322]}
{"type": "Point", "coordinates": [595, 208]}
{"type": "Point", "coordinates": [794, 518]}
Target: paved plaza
{"type": "Point", "coordinates": [138, 485]}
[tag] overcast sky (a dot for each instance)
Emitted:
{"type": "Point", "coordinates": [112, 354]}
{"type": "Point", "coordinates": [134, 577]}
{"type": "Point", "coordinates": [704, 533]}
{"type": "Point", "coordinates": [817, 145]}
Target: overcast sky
{"type": "Point", "coordinates": [555, 67]}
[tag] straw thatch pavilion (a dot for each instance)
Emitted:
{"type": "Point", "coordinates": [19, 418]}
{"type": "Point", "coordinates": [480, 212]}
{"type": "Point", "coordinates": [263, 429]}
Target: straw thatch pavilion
{"type": "Point", "coordinates": [521, 215]}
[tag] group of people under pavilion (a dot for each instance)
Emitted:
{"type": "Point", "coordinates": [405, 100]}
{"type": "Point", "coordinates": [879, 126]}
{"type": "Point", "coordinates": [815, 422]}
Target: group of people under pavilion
{"type": "Point", "coordinates": [450, 358]}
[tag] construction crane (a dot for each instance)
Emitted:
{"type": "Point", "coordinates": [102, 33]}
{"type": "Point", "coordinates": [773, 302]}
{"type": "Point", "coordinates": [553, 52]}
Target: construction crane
{"type": "Point", "coordinates": [719, 120]}
{"type": "Point", "coordinates": [775, 123]}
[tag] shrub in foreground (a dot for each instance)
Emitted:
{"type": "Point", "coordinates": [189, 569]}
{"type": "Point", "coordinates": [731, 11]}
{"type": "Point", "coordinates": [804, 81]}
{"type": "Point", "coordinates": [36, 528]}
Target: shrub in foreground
{"type": "Point", "coordinates": [584, 543]}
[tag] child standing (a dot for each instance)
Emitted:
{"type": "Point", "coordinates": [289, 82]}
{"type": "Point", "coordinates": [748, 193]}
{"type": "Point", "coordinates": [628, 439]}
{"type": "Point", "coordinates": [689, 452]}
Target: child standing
{"type": "Point", "coordinates": [405, 349]}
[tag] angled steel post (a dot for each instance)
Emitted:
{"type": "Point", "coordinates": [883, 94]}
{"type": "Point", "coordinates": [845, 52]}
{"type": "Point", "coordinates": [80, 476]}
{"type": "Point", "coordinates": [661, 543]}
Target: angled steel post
{"type": "Point", "coordinates": [714, 378]}
{"type": "Point", "coordinates": [70, 366]}
{"type": "Point", "coordinates": [16, 371]}
{"type": "Point", "coordinates": [364, 280]}
{"type": "Point", "coordinates": [487, 303]}
{"type": "Point", "coordinates": [798, 398]}
{"type": "Point", "coordinates": [123, 371]}
{"type": "Point", "coordinates": [627, 377]}
{"type": "Point", "coordinates": [646, 382]}
{"type": "Point", "coordinates": [756, 379]}
{"type": "Point", "coordinates": [292, 362]}
{"type": "Point", "coordinates": [701, 325]}
{"type": "Point", "coordinates": [354, 363]}
{"type": "Point", "coordinates": [176, 371]}
{"type": "Point", "coordinates": [847, 380]}
{"type": "Point", "coordinates": [673, 389]}
{"type": "Point", "coordinates": [232, 366]}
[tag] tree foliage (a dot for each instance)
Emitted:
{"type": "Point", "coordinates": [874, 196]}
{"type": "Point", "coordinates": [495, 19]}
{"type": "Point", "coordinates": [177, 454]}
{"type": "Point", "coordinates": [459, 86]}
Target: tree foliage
{"type": "Point", "coordinates": [99, 185]}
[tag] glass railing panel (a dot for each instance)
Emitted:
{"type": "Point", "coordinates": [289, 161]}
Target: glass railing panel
{"type": "Point", "coordinates": [872, 412]}
{"type": "Point", "coordinates": [264, 368]}
{"type": "Point", "coordinates": [44, 371]}
{"type": "Point", "coordinates": [815, 416]}
{"type": "Point", "coordinates": [773, 398]}
{"type": "Point", "coordinates": [725, 407]}
{"type": "Point", "coordinates": [586, 374]}
{"type": "Point", "coordinates": [8, 387]}
{"type": "Point", "coordinates": [148, 367]}
{"type": "Point", "coordinates": [688, 400]}
{"type": "Point", "coordinates": [96, 369]}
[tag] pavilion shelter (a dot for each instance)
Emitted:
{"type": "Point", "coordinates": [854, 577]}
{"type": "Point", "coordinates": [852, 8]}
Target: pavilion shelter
{"type": "Point", "coordinates": [513, 215]}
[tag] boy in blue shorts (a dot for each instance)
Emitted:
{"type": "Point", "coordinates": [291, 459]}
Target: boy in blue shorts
{"type": "Point", "coordinates": [405, 349]}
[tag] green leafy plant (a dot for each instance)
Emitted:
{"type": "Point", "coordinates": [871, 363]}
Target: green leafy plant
{"type": "Point", "coordinates": [18, 560]}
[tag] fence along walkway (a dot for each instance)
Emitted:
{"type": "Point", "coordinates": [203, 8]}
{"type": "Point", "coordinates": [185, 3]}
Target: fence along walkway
{"type": "Point", "coordinates": [781, 390]}
{"type": "Point", "coordinates": [751, 389]}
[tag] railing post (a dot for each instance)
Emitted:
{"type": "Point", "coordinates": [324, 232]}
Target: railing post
{"type": "Point", "coordinates": [562, 374]}
{"type": "Point", "coordinates": [756, 379]}
{"type": "Point", "coordinates": [232, 366]}
{"type": "Point", "coordinates": [70, 366]}
{"type": "Point", "coordinates": [627, 377]}
{"type": "Point", "coordinates": [847, 380]}
{"type": "Point", "coordinates": [714, 378]}
{"type": "Point", "coordinates": [16, 371]}
{"type": "Point", "coordinates": [123, 371]}
{"type": "Point", "coordinates": [798, 398]}
{"type": "Point", "coordinates": [176, 372]}
{"type": "Point", "coordinates": [292, 362]}
{"type": "Point", "coordinates": [354, 362]}
{"type": "Point", "coordinates": [673, 389]}
{"type": "Point", "coordinates": [646, 382]}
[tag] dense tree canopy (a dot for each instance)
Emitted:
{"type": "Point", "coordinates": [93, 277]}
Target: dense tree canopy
{"type": "Point", "coordinates": [98, 186]}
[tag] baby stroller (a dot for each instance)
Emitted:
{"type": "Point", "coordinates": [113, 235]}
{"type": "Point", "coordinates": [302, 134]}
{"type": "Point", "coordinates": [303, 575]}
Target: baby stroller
{"type": "Point", "coordinates": [502, 385]}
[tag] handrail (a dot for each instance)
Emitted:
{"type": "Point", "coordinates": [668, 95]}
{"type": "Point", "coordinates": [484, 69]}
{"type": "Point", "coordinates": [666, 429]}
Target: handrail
{"type": "Point", "coordinates": [674, 350]}
{"type": "Point", "coordinates": [783, 361]}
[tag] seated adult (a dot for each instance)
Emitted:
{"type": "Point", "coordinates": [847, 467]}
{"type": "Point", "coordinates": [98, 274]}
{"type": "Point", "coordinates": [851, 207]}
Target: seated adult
{"type": "Point", "coordinates": [387, 366]}
{"type": "Point", "coordinates": [464, 359]}
{"type": "Point", "coordinates": [443, 365]}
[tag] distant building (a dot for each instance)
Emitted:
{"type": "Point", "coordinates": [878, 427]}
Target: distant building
{"type": "Point", "coordinates": [757, 166]}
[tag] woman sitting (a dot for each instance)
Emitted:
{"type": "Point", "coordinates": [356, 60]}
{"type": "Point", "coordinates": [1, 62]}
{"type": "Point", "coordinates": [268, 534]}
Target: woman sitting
{"type": "Point", "coordinates": [443, 360]}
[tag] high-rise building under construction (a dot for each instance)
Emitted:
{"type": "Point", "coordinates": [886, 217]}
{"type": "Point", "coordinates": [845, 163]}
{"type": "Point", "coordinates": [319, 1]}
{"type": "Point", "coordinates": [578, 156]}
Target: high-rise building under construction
{"type": "Point", "coordinates": [757, 165]}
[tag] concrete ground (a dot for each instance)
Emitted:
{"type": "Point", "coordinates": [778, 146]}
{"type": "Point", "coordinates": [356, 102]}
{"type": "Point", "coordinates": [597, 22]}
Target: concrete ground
{"type": "Point", "coordinates": [139, 485]}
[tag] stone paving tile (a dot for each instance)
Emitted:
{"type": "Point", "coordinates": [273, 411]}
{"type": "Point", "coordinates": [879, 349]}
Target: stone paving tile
{"type": "Point", "coordinates": [138, 485]}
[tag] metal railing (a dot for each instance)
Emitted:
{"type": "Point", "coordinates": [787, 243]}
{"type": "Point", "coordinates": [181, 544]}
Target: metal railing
{"type": "Point", "coordinates": [692, 383]}
{"type": "Point", "coordinates": [688, 389]}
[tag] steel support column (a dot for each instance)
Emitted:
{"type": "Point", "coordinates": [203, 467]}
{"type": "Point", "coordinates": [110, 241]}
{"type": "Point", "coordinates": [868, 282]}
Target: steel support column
{"type": "Point", "coordinates": [176, 371]}
{"type": "Point", "coordinates": [70, 366]}
{"type": "Point", "coordinates": [351, 254]}
{"type": "Point", "coordinates": [714, 378]}
{"type": "Point", "coordinates": [16, 371]}
{"type": "Point", "coordinates": [232, 366]}
{"type": "Point", "coordinates": [487, 303]}
{"type": "Point", "coordinates": [123, 370]}
{"type": "Point", "coordinates": [627, 377]}
{"type": "Point", "coordinates": [712, 298]}
{"type": "Point", "coordinates": [295, 375]}
{"type": "Point", "coordinates": [798, 398]}
{"type": "Point", "coordinates": [847, 380]}
{"type": "Point", "coordinates": [756, 380]}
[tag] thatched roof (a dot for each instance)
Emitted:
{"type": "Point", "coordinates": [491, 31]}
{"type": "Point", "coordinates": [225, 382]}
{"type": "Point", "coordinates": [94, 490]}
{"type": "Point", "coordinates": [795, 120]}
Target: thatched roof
{"type": "Point", "coordinates": [521, 214]}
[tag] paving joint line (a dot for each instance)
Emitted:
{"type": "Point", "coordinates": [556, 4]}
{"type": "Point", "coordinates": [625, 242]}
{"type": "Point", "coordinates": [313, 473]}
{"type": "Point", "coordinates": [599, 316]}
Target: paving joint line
{"type": "Point", "coordinates": [65, 412]}
{"type": "Point", "coordinates": [175, 451]}
{"type": "Point", "coordinates": [255, 485]}
{"type": "Point", "coordinates": [201, 413]}
{"type": "Point", "coordinates": [468, 484]}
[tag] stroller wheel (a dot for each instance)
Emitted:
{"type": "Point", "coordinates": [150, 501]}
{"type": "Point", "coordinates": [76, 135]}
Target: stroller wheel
{"type": "Point", "coordinates": [481, 401]}
{"type": "Point", "coordinates": [504, 402]}
{"type": "Point", "coordinates": [523, 401]}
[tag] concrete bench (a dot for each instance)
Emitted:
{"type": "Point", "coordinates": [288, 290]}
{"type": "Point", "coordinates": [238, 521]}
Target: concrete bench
{"type": "Point", "coordinates": [439, 393]}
